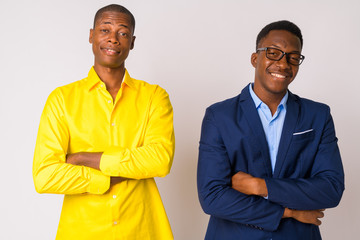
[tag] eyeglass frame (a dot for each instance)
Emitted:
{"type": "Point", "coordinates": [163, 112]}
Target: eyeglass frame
{"type": "Point", "coordinates": [302, 57]}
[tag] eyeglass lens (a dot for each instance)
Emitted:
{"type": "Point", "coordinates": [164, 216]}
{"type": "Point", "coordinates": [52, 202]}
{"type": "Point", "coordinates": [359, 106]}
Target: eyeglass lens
{"type": "Point", "coordinates": [276, 55]}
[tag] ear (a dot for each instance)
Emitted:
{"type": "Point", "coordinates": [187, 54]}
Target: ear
{"type": "Point", "coordinates": [91, 35]}
{"type": "Point", "coordinates": [254, 59]}
{"type": "Point", "coordinates": [132, 43]}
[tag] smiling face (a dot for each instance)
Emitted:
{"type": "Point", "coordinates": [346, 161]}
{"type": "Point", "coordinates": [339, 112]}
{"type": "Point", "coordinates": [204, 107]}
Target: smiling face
{"type": "Point", "coordinates": [272, 78]}
{"type": "Point", "coordinates": [112, 39]}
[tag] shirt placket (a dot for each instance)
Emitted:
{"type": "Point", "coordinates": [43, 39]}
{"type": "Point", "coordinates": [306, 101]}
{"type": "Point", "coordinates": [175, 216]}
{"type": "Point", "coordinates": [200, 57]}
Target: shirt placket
{"type": "Point", "coordinates": [113, 201]}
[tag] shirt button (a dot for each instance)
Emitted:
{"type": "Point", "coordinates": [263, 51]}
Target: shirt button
{"type": "Point", "coordinates": [114, 196]}
{"type": "Point", "coordinates": [112, 124]}
{"type": "Point", "coordinates": [115, 222]}
{"type": "Point", "coordinates": [109, 101]}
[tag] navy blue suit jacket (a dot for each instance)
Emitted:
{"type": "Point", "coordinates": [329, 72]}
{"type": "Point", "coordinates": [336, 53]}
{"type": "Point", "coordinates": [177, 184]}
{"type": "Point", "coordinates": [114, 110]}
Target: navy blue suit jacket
{"type": "Point", "coordinates": [308, 173]}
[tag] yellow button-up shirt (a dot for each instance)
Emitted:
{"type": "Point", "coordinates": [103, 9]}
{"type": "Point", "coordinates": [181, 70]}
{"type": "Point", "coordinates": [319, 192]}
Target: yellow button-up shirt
{"type": "Point", "coordinates": [135, 134]}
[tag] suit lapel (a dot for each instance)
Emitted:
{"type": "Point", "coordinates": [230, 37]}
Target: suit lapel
{"type": "Point", "coordinates": [248, 109]}
{"type": "Point", "coordinates": [290, 122]}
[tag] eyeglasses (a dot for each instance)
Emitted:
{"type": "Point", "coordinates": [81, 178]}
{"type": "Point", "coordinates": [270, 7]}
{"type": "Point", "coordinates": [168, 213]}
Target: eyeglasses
{"type": "Point", "coordinates": [276, 55]}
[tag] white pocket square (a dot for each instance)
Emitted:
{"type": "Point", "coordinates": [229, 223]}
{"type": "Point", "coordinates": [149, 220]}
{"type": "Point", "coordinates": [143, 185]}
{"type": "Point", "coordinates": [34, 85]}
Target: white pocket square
{"type": "Point", "coordinates": [306, 131]}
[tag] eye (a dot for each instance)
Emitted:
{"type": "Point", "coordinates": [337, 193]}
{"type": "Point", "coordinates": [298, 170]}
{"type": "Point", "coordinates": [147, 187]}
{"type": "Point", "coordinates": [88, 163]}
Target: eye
{"type": "Point", "coordinates": [104, 30]}
{"type": "Point", "coordinates": [295, 57]}
{"type": "Point", "coordinates": [273, 52]}
{"type": "Point", "coordinates": [123, 34]}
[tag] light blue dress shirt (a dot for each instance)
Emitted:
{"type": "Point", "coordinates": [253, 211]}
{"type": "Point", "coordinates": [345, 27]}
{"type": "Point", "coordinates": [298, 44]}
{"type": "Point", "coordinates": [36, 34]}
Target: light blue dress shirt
{"type": "Point", "coordinates": [272, 124]}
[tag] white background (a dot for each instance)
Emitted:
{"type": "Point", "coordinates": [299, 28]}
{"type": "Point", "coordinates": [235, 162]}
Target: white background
{"type": "Point", "coordinates": [199, 51]}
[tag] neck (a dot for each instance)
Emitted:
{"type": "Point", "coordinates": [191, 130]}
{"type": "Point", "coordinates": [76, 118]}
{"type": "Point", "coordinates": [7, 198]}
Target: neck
{"type": "Point", "coordinates": [272, 100]}
{"type": "Point", "coordinates": [272, 103]}
{"type": "Point", "coordinates": [112, 77]}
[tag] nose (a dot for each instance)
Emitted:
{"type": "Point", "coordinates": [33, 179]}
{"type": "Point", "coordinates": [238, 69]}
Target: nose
{"type": "Point", "coordinates": [283, 62]}
{"type": "Point", "coordinates": [113, 38]}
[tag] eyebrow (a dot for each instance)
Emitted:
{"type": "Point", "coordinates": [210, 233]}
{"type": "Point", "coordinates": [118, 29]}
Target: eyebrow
{"type": "Point", "coordinates": [122, 25]}
{"type": "Point", "coordinates": [276, 46]}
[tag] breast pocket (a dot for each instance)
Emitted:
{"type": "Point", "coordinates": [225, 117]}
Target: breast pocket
{"type": "Point", "coordinates": [298, 154]}
{"type": "Point", "coordinates": [306, 135]}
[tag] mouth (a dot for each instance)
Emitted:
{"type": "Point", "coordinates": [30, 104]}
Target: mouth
{"type": "Point", "coordinates": [281, 76]}
{"type": "Point", "coordinates": [110, 51]}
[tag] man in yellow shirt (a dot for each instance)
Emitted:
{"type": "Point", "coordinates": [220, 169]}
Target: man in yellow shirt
{"type": "Point", "coordinates": [103, 139]}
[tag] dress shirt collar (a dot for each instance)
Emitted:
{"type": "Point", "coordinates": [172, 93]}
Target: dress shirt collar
{"type": "Point", "coordinates": [258, 101]}
{"type": "Point", "coordinates": [94, 80]}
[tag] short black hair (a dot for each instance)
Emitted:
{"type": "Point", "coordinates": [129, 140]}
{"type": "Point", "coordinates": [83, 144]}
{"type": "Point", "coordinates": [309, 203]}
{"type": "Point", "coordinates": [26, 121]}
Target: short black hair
{"type": "Point", "coordinates": [279, 25]}
{"type": "Point", "coordinates": [115, 8]}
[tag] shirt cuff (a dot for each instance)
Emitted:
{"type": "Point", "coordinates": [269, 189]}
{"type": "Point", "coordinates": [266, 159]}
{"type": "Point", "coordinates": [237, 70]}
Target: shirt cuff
{"type": "Point", "coordinates": [99, 183]}
{"type": "Point", "coordinates": [110, 160]}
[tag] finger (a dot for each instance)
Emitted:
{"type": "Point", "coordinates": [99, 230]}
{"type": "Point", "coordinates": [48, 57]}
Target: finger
{"type": "Point", "coordinates": [321, 214]}
{"type": "Point", "coordinates": [318, 222]}
{"type": "Point", "coordinates": [243, 174]}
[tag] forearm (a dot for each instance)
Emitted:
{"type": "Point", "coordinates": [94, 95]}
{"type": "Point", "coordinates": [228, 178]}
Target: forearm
{"type": "Point", "coordinates": [249, 185]}
{"type": "Point", "coordinates": [152, 160]}
{"type": "Point", "coordinates": [63, 178]}
{"type": "Point", "coordinates": [86, 159]}
{"type": "Point", "coordinates": [144, 162]}
{"type": "Point", "coordinates": [305, 216]}
{"type": "Point", "coordinates": [91, 160]}
{"type": "Point", "coordinates": [300, 193]}
{"type": "Point", "coordinates": [293, 193]}
{"type": "Point", "coordinates": [52, 174]}
{"type": "Point", "coordinates": [226, 203]}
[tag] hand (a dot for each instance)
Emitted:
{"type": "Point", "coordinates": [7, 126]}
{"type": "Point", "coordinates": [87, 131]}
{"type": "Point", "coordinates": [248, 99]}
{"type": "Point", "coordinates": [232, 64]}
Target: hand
{"type": "Point", "coordinates": [249, 185]}
{"type": "Point", "coordinates": [305, 216]}
{"type": "Point", "coordinates": [116, 180]}
{"type": "Point", "coordinates": [85, 159]}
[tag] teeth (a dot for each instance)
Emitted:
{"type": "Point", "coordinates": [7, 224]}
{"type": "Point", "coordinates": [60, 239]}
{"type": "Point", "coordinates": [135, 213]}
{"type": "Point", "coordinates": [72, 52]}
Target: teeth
{"type": "Point", "coordinates": [277, 75]}
{"type": "Point", "coordinates": [110, 50]}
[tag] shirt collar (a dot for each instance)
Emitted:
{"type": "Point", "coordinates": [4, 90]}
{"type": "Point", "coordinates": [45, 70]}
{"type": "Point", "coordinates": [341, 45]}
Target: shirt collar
{"type": "Point", "coordinates": [258, 102]}
{"type": "Point", "coordinates": [93, 80]}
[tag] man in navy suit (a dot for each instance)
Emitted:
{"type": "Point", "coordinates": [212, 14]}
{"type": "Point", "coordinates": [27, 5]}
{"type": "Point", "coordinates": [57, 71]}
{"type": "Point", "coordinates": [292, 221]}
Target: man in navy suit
{"type": "Point", "coordinates": [269, 163]}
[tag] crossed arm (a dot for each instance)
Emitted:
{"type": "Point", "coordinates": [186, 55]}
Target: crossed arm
{"type": "Point", "coordinates": [249, 185]}
{"type": "Point", "coordinates": [240, 197]}
{"type": "Point", "coordinates": [91, 160]}
{"type": "Point", "coordinates": [85, 159]}
{"type": "Point", "coordinates": [54, 171]}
